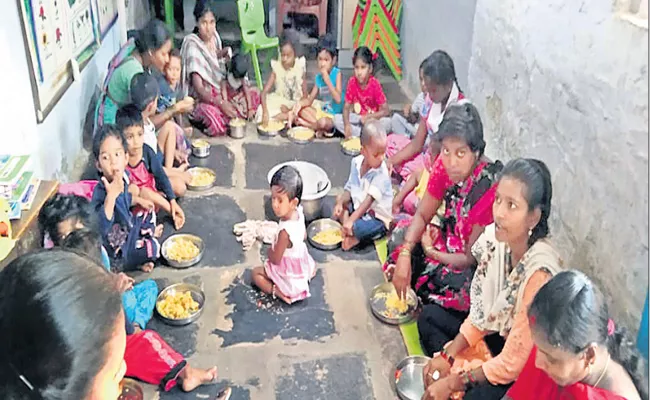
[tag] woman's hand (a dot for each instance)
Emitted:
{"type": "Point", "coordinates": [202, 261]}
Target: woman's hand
{"type": "Point", "coordinates": [184, 106]}
{"type": "Point", "coordinates": [265, 118]}
{"type": "Point", "coordinates": [402, 275]}
{"type": "Point", "coordinates": [439, 390]}
{"type": "Point", "coordinates": [228, 109]}
{"type": "Point", "coordinates": [347, 131]}
{"type": "Point", "coordinates": [435, 364]}
{"type": "Point", "coordinates": [430, 235]}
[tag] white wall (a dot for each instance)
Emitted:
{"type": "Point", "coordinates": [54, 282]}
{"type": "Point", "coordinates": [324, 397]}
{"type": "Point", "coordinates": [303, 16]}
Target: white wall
{"type": "Point", "coordinates": [567, 82]}
{"type": "Point", "coordinates": [56, 144]}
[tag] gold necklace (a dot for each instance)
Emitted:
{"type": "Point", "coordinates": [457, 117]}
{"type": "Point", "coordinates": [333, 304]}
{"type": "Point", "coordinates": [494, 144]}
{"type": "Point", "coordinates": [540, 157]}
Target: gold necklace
{"type": "Point", "coordinates": [602, 374]}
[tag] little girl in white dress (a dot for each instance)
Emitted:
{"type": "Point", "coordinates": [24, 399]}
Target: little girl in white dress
{"type": "Point", "coordinates": [289, 268]}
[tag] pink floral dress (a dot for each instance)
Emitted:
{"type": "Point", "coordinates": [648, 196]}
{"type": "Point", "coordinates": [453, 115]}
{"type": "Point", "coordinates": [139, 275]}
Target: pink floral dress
{"type": "Point", "coordinates": [297, 267]}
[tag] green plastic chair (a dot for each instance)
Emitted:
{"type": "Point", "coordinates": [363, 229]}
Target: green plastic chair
{"type": "Point", "coordinates": [253, 37]}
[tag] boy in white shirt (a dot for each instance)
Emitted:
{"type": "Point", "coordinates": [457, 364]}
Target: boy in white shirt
{"type": "Point", "coordinates": [365, 207]}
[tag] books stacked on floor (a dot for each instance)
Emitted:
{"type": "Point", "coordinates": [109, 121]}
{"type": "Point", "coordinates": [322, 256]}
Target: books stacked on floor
{"type": "Point", "coordinates": [17, 183]}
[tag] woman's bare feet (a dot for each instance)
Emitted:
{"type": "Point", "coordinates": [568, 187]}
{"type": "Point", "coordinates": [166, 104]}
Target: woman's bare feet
{"type": "Point", "coordinates": [349, 242]}
{"type": "Point", "coordinates": [158, 231]}
{"type": "Point", "coordinates": [191, 378]}
{"type": "Point", "coordinates": [147, 267]}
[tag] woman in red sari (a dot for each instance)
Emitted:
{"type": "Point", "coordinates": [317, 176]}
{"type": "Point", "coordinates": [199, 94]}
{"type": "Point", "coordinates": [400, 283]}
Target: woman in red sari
{"type": "Point", "coordinates": [579, 353]}
{"type": "Point", "coordinates": [437, 261]}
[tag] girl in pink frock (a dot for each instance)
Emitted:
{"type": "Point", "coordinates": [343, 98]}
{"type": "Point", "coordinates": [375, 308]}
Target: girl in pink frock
{"type": "Point", "coordinates": [289, 268]}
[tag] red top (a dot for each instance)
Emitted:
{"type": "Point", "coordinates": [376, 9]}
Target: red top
{"type": "Point", "coordinates": [439, 182]}
{"type": "Point", "coordinates": [370, 98]}
{"type": "Point", "coordinates": [534, 380]}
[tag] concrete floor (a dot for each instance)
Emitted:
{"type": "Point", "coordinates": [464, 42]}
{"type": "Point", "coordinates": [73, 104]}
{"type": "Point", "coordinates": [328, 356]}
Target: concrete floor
{"type": "Point", "coordinates": [326, 347]}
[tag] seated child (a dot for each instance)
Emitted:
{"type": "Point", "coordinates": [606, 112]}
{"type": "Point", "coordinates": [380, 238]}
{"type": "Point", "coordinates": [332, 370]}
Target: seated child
{"type": "Point", "coordinates": [130, 240]}
{"type": "Point", "coordinates": [147, 176]}
{"type": "Point", "coordinates": [407, 124]}
{"type": "Point", "coordinates": [415, 187]}
{"type": "Point", "coordinates": [144, 95]}
{"type": "Point", "coordinates": [288, 78]}
{"type": "Point", "coordinates": [62, 214]}
{"type": "Point", "coordinates": [170, 89]}
{"type": "Point", "coordinates": [240, 99]}
{"type": "Point", "coordinates": [289, 268]}
{"type": "Point", "coordinates": [326, 98]}
{"type": "Point", "coordinates": [364, 97]}
{"type": "Point", "coordinates": [138, 300]}
{"type": "Point", "coordinates": [364, 208]}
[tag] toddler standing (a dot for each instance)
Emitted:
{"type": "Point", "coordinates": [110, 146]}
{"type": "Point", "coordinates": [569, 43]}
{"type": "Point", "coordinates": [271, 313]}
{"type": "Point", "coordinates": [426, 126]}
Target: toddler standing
{"type": "Point", "coordinates": [364, 98]}
{"type": "Point", "coordinates": [364, 208]}
{"type": "Point", "coordinates": [289, 268]}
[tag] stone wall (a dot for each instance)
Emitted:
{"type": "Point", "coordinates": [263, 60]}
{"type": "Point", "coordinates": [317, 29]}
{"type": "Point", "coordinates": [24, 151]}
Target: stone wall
{"type": "Point", "coordinates": [567, 82]}
{"type": "Point", "coordinates": [428, 25]}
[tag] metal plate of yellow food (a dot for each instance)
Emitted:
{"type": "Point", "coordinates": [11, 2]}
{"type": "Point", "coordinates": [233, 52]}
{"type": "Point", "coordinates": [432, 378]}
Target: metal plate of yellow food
{"type": "Point", "coordinates": [301, 135]}
{"type": "Point", "coordinates": [182, 250]}
{"type": "Point", "coordinates": [271, 129]}
{"type": "Point", "coordinates": [180, 304]}
{"type": "Point", "coordinates": [387, 306]}
{"type": "Point", "coordinates": [325, 234]}
{"type": "Point", "coordinates": [351, 146]}
{"type": "Point", "coordinates": [131, 390]}
{"type": "Point", "coordinates": [202, 178]}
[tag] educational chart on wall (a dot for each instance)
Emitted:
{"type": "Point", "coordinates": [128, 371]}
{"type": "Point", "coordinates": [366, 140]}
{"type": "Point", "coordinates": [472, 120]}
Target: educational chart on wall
{"type": "Point", "coordinates": [107, 10]}
{"type": "Point", "coordinates": [56, 32]}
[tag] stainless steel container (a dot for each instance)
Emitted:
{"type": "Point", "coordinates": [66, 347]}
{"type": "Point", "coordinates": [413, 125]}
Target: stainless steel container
{"type": "Point", "coordinates": [200, 149]}
{"type": "Point", "coordinates": [197, 294]}
{"type": "Point", "coordinates": [237, 132]}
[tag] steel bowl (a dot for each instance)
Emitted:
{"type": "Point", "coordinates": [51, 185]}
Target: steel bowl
{"type": "Point", "coordinates": [293, 131]}
{"type": "Point", "coordinates": [321, 225]}
{"type": "Point", "coordinates": [131, 390]}
{"type": "Point", "coordinates": [348, 152]}
{"type": "Point", "coordinates": [409, 379]}
{"type": "Point", "coordinates": [378, 304]}
{"type": "Point", "coordinates": [200, 151]}
{"type": "Point", "coordinates": [237, 128]}
{"type": "Point", "coordinates": [197, 294]}
{"type": "Point", "coordinates": [182, 264]}
{"type": "Point", "coordinates": [196, 170]}
{"type": "Point", "coordinates": [265, 133]}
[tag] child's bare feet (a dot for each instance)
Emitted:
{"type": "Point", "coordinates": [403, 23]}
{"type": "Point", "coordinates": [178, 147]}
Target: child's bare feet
{"type": "Point", "coordinates": [158, 231]}
{"type": "Point", "coordinates": [191, 378]}
{"type": "Point", "coordinates": [282, 297]}
{"type": "Point", "coordinates": [147, 267]}
{"type": "Point", "coordinates": [349, 242]}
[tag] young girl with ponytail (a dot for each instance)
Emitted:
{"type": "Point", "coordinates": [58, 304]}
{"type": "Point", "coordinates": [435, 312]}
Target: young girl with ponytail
{"type": "Point", "coordinates": [580, 352]}
{"type": "Point", "coordinates": [490, 347]}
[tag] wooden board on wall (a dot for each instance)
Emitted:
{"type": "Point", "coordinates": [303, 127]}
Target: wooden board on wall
{"type": "Point", "coordinates": [55, 33]}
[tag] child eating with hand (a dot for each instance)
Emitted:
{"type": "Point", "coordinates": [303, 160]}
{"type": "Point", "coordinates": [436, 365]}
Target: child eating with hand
{"type": "Point", "coordinates": [237, 91]}
{"type": "Point", "coordinates": [364, 97]}
{"type": "Point", "coordinates": [130, 240]}
{"type": "Point", "coordinates": [407, 123]}
{"type": "Point", "coordinates": [288, 77]}
{"type": "Point", "coordinates": [145, 170]}
{"type": "Point", "coordinates": [289, 268]}
{"type": "Point", "coordinates": [364, 208]}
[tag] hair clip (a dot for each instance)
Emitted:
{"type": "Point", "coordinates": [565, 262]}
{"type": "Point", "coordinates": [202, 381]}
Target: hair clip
{"type": "Point", "coordinates": [374, 56]}
{"type": "Point", "coordinates": [611, 327]}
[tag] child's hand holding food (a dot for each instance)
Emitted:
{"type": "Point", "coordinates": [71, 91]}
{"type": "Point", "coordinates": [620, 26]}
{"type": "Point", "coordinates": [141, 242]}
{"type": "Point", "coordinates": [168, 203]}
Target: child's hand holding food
{"type": "Point", "coordinates": [177, 214]}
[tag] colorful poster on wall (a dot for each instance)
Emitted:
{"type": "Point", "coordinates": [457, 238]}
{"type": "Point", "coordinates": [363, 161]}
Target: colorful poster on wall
{"type": "Point", "coordinates": [107, 10]}
{"type": "Point", "coordinates": [55, 32]}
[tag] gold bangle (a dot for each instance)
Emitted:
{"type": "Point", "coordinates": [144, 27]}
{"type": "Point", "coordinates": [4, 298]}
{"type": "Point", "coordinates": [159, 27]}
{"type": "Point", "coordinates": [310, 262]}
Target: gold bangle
{"type": "Point", "coordinates": [429, 249]}
{"type": "Point", "coordinates": [405, 252]}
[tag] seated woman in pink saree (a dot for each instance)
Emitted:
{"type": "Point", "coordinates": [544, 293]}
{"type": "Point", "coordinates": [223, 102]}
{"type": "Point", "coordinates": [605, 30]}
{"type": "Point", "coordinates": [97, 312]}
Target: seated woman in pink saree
{"type": "Point", "coordinates": [580, 354]}
{"type": "Point", "coordinates": [204, 68]}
